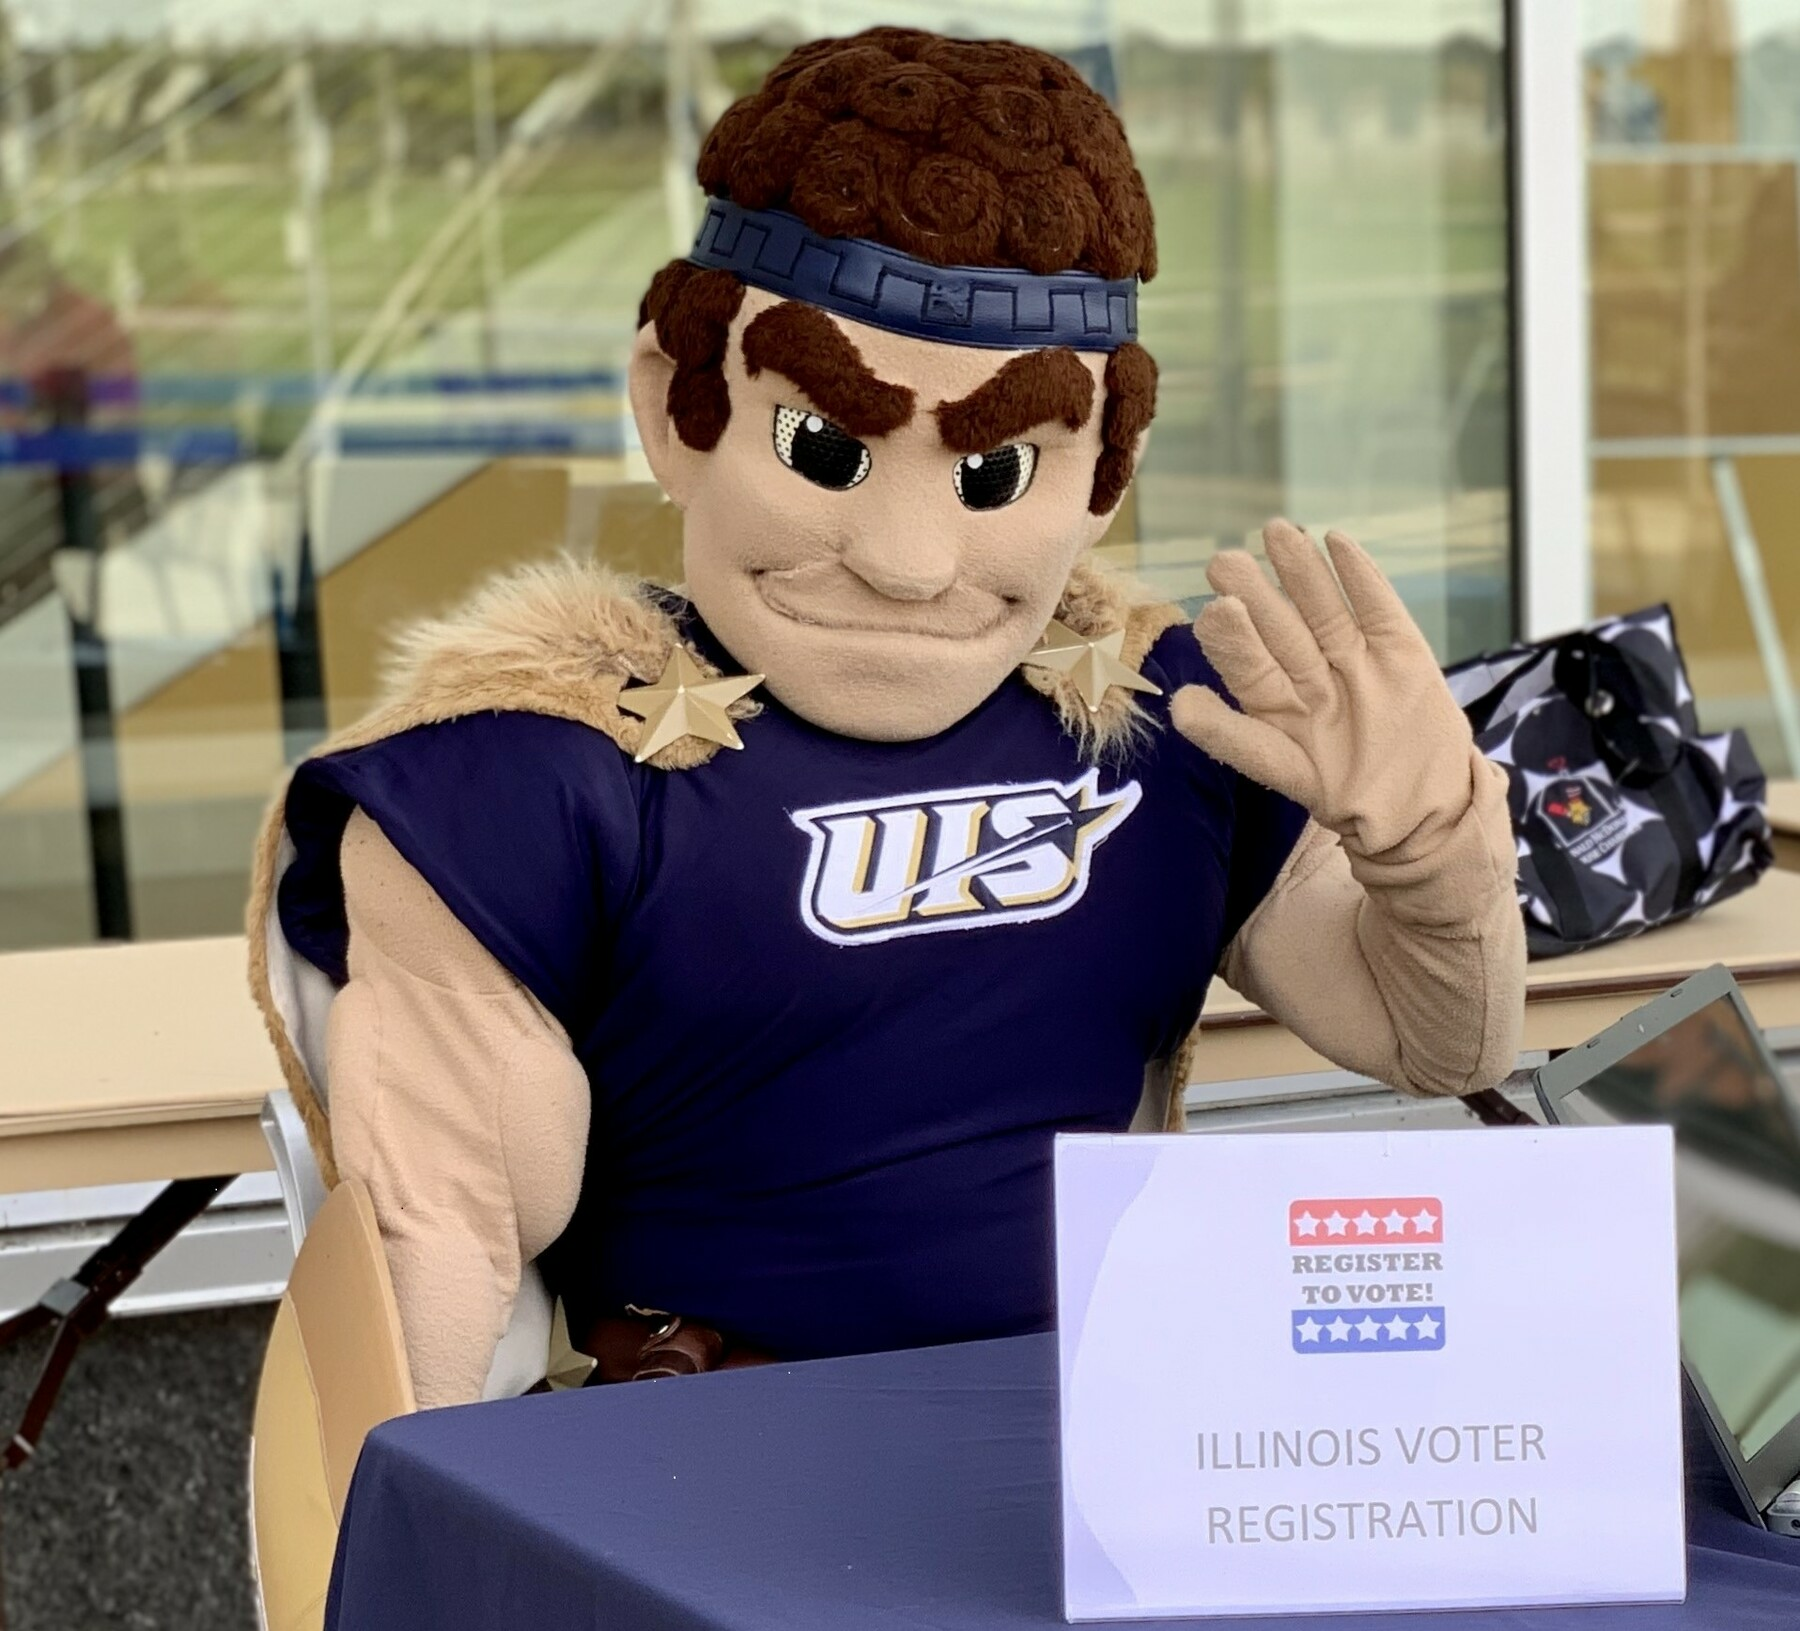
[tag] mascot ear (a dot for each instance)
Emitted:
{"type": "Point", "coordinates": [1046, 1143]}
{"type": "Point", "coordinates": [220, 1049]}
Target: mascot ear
{"type": "Point", "coordinates": [671, 460]}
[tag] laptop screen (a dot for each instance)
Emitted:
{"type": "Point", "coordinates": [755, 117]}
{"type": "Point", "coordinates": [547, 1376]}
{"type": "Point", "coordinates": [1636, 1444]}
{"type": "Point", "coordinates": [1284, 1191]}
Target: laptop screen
{"type": "Point", "coordinates": [1737, 1174]}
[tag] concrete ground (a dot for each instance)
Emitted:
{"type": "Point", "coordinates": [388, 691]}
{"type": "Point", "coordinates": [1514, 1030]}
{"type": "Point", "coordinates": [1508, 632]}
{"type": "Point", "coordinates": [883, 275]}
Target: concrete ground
{"type": "Point", "coordinates": [132, 1515]}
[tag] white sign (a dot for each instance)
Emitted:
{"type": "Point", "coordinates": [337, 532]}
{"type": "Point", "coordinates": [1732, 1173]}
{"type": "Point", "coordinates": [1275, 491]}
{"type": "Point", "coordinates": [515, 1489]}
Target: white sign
{"type": "Point", "coordinates": [1347, 1371]}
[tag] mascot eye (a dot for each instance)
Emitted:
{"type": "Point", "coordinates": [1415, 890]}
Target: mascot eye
{"type": "Point", "coordinates": [991, 481]}
{"type": "Point", "coordinates": [816, 449]}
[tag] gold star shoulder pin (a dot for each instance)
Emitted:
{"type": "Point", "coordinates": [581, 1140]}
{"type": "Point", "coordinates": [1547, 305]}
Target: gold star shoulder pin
{"type": "Point", "coordinates": [685, 702]}
{"type": "Point", "coordinates": [1093, 664]}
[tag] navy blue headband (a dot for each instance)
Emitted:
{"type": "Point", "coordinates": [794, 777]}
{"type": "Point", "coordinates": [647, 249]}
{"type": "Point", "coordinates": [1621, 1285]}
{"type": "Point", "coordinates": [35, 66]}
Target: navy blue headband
{"type": "Point", "coordinates": [870, 283]}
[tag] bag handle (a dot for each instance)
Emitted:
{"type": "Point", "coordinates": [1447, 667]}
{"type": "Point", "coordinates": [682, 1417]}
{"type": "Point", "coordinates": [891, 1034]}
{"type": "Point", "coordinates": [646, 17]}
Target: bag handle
{"type": "Point", "coordinates": [1607, 683]}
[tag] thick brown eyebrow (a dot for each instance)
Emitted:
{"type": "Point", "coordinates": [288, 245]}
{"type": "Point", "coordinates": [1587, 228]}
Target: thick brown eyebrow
{"type": "Point", "coordinates": [802, 344]}
{"type": "Point", "coordinates": [1032, 389]}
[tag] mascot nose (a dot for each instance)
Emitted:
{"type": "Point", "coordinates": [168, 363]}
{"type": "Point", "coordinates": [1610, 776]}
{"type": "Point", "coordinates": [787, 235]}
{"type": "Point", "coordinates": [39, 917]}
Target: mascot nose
{"type": "Point", "coordinates": [902, 563]}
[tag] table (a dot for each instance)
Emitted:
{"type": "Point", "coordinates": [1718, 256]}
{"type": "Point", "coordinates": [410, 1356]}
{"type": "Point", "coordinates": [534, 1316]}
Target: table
{"type": "Point", "coordinates": [131, 1062]}
{"type": "Point", "coordinates": [876, 1493]}
{"type": "Point", "coordinates": [1755, 934]}
{"type": "Point", "coordinates": [122, 1063]}
{"type": "Point", "coordinates": [1784, 818]}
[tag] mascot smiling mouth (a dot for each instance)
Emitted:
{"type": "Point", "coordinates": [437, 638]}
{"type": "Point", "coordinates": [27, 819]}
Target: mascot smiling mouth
{"type": "Point", "coordinates": [826, 595]}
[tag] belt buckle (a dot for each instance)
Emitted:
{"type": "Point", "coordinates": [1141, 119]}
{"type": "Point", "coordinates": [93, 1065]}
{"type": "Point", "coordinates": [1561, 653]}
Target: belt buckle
{"type": "Point", "coordinates": [669, 1321]}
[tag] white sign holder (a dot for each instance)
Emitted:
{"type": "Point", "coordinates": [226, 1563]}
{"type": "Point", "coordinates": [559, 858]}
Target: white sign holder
{"type": "Point", "coordinates": [1368, 1371]}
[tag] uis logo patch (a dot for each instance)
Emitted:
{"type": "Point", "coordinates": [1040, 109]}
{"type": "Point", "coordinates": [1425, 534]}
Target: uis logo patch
{"type": "Point", "coordinates": [1370, 1266]}
{"type": "Point", "coordinates": [964, 858]}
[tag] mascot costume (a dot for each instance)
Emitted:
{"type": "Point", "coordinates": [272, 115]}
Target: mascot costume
{"type": "Point", "coordinates": [721, 961]}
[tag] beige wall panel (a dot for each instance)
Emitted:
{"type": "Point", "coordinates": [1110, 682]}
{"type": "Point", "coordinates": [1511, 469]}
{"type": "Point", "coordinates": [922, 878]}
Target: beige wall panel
{"type": "Point", "coordinates": [1696, 298]}
{"type": "Point", "coordinates": [1658, 536]}
{"type": "Point", "coordinates": [1696, 86]}
{"type": "Point", "coordinates": [629, 526]}
{"type": "Point", "coordinates": [198, 759]}
{"type": "Point", "coordinates": [56, 787]}
{"type": "Point", "coordinates": [514, 510]}
{"type": "Point", "coordinates": [213, 731]}
{"type": "Point", "coordinates": [1771, 489]}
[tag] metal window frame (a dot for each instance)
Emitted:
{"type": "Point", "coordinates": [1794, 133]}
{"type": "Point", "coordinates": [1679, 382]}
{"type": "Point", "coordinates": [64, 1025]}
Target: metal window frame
{"type": "Point", "coordinates": [1552, 544]}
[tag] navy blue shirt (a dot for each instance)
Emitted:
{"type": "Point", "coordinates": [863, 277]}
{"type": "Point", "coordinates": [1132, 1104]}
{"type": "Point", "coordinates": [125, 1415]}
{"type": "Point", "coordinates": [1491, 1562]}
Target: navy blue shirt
{"type": "Point", "coordinates": [833, 997]}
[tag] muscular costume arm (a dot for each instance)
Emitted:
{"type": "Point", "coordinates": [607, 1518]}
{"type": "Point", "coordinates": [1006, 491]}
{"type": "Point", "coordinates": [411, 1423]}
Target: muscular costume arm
{"type": "Point", "coordinates": [1407, 966]}
{"type": "Point", "coordinates": [456, 1098]}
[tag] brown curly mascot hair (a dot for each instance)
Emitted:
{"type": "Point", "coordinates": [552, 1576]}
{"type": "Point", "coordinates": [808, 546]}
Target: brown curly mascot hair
{"type": "Point", "coordinates": [958, 152]}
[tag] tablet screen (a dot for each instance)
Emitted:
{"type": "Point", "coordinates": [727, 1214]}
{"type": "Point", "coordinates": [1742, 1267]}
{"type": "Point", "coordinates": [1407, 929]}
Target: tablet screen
{"type": "Point", "coordinates": [1737, 1203]}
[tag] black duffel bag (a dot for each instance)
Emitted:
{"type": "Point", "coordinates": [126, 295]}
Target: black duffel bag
{"type": "Point", "coordinates": [1626, 815]}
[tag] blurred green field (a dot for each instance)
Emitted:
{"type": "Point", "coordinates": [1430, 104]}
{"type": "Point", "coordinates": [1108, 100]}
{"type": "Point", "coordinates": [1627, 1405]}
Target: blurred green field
{"type": "Point", "coordinates": [197, 225]}
{"type": "Point", "coordinates": [1330, 316]}
{"type": "Point", "coordinates": [217, 290]}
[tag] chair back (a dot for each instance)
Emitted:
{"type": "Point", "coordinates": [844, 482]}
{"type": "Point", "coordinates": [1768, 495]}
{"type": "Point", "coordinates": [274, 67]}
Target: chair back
{"type": "Point", "coordinates": [335, 1368]}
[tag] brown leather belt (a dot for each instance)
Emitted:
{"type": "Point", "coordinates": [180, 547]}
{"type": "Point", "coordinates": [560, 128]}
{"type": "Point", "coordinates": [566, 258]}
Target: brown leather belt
{"type": "Point", "coordinates": [643, 1344]}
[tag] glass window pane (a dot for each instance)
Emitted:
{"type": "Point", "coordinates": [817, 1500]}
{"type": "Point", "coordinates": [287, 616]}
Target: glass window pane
{"type": "Point", "coordinates": [305, 331]}
{"type": "Point", "coordinates": [1694, 199]}
{"type": "Point", "coordinates": [1332, 314]}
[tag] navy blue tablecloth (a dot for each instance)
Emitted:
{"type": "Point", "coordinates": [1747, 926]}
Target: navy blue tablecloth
{"type": "Point", "coordinates": [869, 1494]}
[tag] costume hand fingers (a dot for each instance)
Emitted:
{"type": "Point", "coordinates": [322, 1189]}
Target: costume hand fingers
{"type": "Point", "coordinates": [1307, 578]}
{"type": "Point", "coordinates": [1234, 572]}
{"type": "Point", "coordinates": [1377, 604]}
{"type": "Point", "coordinates": [1251, 747]}
{"type": "Point", "coordinates": [1235, 648]}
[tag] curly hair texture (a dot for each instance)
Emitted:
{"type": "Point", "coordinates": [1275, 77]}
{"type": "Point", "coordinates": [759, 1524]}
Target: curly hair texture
{"type": "Point", "coordinates": [958, 152]}
{"type": "Point", "coordinates": [1130, 406]}
{"type": "Point", "coordinates": [967, 153]}
{"type": "Point", "coordinates": [692, 308]}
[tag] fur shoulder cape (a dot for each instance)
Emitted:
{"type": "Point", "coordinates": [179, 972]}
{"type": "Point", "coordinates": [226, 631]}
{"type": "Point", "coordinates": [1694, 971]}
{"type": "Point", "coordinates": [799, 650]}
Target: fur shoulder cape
{"type": "Point", "coordinates": [564, 637]}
